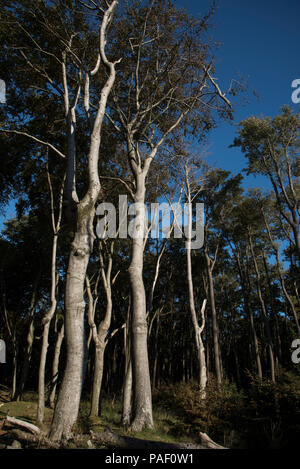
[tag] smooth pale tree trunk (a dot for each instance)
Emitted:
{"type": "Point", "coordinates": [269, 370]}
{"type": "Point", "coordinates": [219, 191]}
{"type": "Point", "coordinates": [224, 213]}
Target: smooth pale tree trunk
{"type": "Point", "coordinates": [55, 365]}
{"type": "Point", "coordinates": [99, 365]}
{"type": "Point", "coordinates": [217, 356]}
{"type": "Point", "coordinates": [67, 407]}
{"type": "Point", "coordinates": [54, 282]}
{"type": "Point", "coordinates": [142, 410]}
{"type": "Point", "coordinates": [97, 379]}
{"type": "Point", "coordinates": [127, 385]}
{"type": "Point", "coordinates": [264, 311]}
{"type": "Point", "coordinates": [245, 283]}
{"type": "Point", "coordinates": [14, 373]}
{"type": "Point", "coordinates": [197, 329]}
{"type": "Point", "coordinates": [154, 373]}
{"type": "Point", "coordinates": [100, 335]}
{"type": "Point", "coordinates": [66, 410]}
{"type": "Point", "coordinates": [273, 314]}
{"type": "Point", "coordinates": [46, 323]}
{"type": "Point", "coordinates": [256, 346]}
{"type": "Point", "coordinates": [127, 396]}
{"type": "Point", "coordinates": [41, 386]}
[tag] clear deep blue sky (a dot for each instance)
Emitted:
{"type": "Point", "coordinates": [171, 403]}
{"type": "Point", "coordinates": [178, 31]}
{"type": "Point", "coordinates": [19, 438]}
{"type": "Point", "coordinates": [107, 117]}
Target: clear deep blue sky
{"type": "Point", "coordinates": [260, 41]}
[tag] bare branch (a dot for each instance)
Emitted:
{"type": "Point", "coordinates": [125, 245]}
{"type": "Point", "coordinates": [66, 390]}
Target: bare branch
{"type": "Point", "coordinates": [42, 142]}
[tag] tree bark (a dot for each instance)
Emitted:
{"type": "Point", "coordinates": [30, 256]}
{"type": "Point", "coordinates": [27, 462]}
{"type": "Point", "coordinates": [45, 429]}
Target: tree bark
{"type": "Point", "coordinates": [264, 311]}
{"type": "Point", "coordinates": [142, 409]}
{"type": "Point", "coordinates": [55, 365]}
{"type": "Point", "coordinates": [245, 283]}
{"type": "Point", "coordinates": [47, 322]}
{"type": "Point", "coordinates": [197, 329]}
{"type": "Point", "coordinates": [100, 338]}
{"type": "Point", "coordinates": [217, 355]}
{"type": "Point", "coordinates": [29, 342]}
{"type": "Point", "coordinates": [127, 385]}
{"type": "Point", "coordinates": [67, 406]}
{"type": "Point", "coordinates": [54, 282]}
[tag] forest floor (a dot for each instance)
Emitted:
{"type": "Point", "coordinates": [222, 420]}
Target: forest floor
{"type": "Point", "coordinates": [263, 415]}
{"type": "Point", "coordinates": [169, 427]}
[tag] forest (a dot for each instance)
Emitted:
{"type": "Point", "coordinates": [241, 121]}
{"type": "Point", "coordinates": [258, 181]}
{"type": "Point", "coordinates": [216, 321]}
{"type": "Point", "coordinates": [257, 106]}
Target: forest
{"type": "Point", "coordinates": [118, 329]}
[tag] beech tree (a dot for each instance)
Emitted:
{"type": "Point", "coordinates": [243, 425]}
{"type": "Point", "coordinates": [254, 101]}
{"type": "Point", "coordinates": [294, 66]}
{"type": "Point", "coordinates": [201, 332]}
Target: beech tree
{"type": "Point", "coordinates": [272, 149]}
{"type": "Point", "coordinates": [114, 91]}
{"type": "Point", "coordinates": [165, 87]}
{"type": "Point", "coordinates": [59, 63]}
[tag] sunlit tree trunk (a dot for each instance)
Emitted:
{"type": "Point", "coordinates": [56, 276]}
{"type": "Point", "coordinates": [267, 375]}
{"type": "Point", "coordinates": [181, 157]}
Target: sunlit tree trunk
{"type": "Point", "coordinates": [197, 329]}
{"type": "Point", "coordinates": [67, 407]}
{"type": "Point", "coordinates": [54, 281]}
{"type": "Point", "coordinates": [142, 410]}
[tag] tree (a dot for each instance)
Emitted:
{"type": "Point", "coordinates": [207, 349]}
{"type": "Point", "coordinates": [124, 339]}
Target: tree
{"type": "Point", "coordinates": [165, 87]}
{"type": "Point", "coordinates": [272, 148]}
{"type": "Point", "coordinates": [192, 189]}
{"type": "Point", "coordinates": [221, 192]}
{"type": "Point", "coordinates": [51, 41]}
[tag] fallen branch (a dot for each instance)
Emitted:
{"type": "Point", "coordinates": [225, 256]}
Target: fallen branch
{"type": "Point", "coordinates": [209, 443]}
{"type": "Point", "coordinates": [20, 423]}
{"type": "Point", "coordinates": [36, 440]}
{"type": "Point", "coordinates": [106, 438]}
{"type": "Point", "coordinates": [110, 439]}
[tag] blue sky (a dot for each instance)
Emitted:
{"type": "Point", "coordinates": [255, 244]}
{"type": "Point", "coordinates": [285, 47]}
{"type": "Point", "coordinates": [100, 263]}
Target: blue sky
{"type": "Point", "coordinates": [260, 41]}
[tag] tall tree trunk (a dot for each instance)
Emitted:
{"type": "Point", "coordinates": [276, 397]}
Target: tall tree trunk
{"type": "Point", "coordinates": [46, 323]}
{"type": "Point", "coordinates": [197, 329]}
{"type": "Point", "coordinates": [55, 365]}
{"type": "Point", "coordinates": [29, 342]}
{"type": "Point", "coordinates": [97, 378]}
{"type": "Point", "coordinates": [217, 355]}
{"type": "Point", "coordinates": [67, 406]}
{"type": "Point", "coordinates": [100, 337]}
{"type": "Point", "coordinates": [127, 396]}
{"type": "Point", "coordinates": [11, 329]}
{"type": "Point", "coordinates": [280, 273]}
{"type": "Point", "coordinates": [54, 282]}
{"type": "Point", "coordinates": [264, 311]}
{"type": "Point", "coordinates": [14, 371]}
{"type": "Point", "coordinates": [154, 372]}
{"type": "Point", "coordinates": [142, 406]}
{"type": "Point", "coordinates": [127, 385]}
{"type": "Point", "coordinates": [246, 288]}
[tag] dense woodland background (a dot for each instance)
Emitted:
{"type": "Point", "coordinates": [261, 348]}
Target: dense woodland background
{"type": "Point", "coordinates": [224, 366]}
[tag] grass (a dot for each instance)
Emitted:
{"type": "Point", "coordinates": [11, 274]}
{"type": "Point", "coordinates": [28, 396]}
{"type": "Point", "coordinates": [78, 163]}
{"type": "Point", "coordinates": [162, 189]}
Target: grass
{"type": "Point", "coordinates": [169, 427]}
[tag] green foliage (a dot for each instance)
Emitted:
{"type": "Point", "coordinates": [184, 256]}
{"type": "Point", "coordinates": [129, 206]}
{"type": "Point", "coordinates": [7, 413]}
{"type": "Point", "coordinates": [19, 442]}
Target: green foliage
{"type": "Point", "coordinates": [265, 415]}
